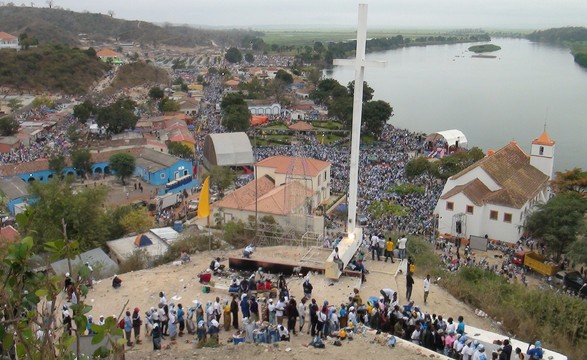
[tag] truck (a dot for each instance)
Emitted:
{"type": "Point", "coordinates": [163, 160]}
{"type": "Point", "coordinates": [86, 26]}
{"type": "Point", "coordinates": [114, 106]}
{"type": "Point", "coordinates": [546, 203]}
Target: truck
{"type": "Point", "coordinates": [165, 201]}
{"type": "Point", "coordinates": [535, 262]}
{"type": "Point", "coordinates": [574, 281]}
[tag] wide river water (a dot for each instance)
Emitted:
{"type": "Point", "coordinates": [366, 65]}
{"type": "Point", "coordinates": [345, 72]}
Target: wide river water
{"type": "Point", "coordinates": [492, 101]}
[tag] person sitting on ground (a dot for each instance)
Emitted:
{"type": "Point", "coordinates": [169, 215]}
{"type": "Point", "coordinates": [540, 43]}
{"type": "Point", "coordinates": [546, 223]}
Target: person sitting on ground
{"type": "Point", "coordinates": [184, 257]}
{"type": "Point", "coordinates": [215, 266]}
{"type": "Point", "coordinates": [283, 333]}
{"type": "Point", "coordinates": [249, 251]}
{"type": "Point", "coordinates": [116, 282]}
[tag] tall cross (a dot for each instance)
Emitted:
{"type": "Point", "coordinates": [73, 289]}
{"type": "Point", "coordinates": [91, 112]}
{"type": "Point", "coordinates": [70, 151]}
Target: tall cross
{"type": "Point", "coordinates": [359, 64]}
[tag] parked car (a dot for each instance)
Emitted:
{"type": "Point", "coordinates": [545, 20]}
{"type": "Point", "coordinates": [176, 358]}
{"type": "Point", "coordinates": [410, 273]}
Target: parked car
{"type": "Point", "coordinates": [574, 281]}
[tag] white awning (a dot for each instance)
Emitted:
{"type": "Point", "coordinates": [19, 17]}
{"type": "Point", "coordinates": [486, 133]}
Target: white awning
{"type": "Point", "coordinates": [452, 137]}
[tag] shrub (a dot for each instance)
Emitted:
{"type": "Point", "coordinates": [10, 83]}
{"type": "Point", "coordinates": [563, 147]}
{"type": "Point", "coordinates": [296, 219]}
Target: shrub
{"type": "Point", "coordinates": [137, 261]}
{"type": "Point", "coordinates": [189, 244]}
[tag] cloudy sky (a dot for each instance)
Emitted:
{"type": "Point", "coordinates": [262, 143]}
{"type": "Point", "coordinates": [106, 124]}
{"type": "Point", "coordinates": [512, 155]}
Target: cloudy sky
{"type": "Point", "coordinates": [392, 14]}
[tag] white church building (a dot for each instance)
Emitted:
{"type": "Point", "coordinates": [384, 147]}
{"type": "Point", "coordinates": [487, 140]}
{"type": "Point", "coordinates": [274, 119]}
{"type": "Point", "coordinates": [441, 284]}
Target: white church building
{"type": "Point", "coordinates": [493, 196]}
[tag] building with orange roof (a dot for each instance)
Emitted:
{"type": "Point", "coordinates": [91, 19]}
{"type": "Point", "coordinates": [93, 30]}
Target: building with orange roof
{"type": "Point", "coordinates": [8, 234]}
{"type": "Point", "coordinates": [312, 173]}
{"type": "Point", "coordinates": [8, 41]}
{"type": "Point", "coordinates": [108, 55]}
{"type": "Point", "coordinates": [494, 196]}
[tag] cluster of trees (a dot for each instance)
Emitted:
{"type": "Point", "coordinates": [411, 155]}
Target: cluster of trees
{"type": "Point", "coordinates": [561, 223]}
{"type": "Point", "coordinates": [445, 167]}
{"type": "Point", "coordinates": [115, 118]}
{"type": "Point", "coordinates": [572, 36]}
{"type": "Point", "coordinates": [339, 100]}
{"type": "Point", "coordinates": [235, 112]}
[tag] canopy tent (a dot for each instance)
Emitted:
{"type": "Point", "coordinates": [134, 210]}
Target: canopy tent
{"type": "Point", "coordinates": [452, 137]}
{"type": "Point", "coordinates": [259, 120]}
{"type": "Point", "coordinates": [142, 240]}
{"type": "Point", "coordinates": [228, 149]}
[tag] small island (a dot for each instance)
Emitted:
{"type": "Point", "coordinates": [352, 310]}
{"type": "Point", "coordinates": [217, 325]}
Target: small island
{"type": "Point", "coordinates": [484, 48]}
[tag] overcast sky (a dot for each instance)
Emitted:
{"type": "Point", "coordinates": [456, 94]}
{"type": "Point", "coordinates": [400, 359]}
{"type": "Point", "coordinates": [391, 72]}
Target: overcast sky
{"type": "Point", "coordinates": [392, 14]}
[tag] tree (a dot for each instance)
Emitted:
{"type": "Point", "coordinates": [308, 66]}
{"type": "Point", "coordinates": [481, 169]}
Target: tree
{"type": "Point", "coordinates": [156, 93]}
{"type": "Point", "coordinates": [367, 90]}
{"type": "Point", "coordinates": [57, 164]}
{"type": "Point", "coordinates": [83, 111]}
{"type": "Point", "coordinates": [123, 165]}
{"type": "Point", "coordinates": [137, 221]}
{"type": "Point", "coordinates": [249, 58]}
{"type": "Point", "coordinates": [8, 126]}
{"type": "Point", "coordinates": [284, 76]}
{"type": "Point", "coordinates": [417, 166]}
{"type": "Point", "coordinates": [41, 101]}
{"type": "Point", "coordinates": [571, 180]}
{"type": "Point", "coordinates": [111, 13]}
{"type": "Point", "coordinates": [222, 177]}
{"type": "Point", "coordinates": [232, 99]}
{"type": "Point", "coordinates": [180, 150]}
{"type": "Point", "coordinates": [559, 222]}
{"type": "Point", "coordinates": [14, 104]}
{"type": "Point", "coordinates": [82, 161]}
{"type": "Point", "coordinates": [50, 3]}
{"type": "Point", "coordinates": [91, 52]}
{"type": "Point", "coordinates": [118, 117]}
{"type": "Point", "coordinates": [237, 118]}
{"type": "Point", "coordinates": [233, 55]}
{"type": "Point", "coordinates": [342, 108]}
{"type": "Point", "coordinates": [57, 204]}
{"type": "Point", "coordinates": [26, 41]}
{"type": "Point", "coordinates": [168, 105]}
{"type": "Point", "coordinates": [375, 115]}
{"type": "Point", "coordinates": [314, 75]}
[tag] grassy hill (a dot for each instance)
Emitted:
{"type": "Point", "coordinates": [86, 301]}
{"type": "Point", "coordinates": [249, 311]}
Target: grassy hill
{"type": "Point", "coordinates": [64, 26]}
{"type": "Point", "coordinates": [134, 74]}
{"type": "Point", "coordinates": [52, 68]}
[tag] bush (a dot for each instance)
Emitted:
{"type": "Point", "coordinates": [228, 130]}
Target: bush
{"type": "Point", "coordinates": [137, 261]}
{"type": "Point", "coordinates": [189, 244]}
{"type": "Point", "coordinates": [236, 234]}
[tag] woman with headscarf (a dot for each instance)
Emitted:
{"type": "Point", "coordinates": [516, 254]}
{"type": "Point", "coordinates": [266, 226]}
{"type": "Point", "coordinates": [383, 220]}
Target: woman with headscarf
{"type": "Point", "coordinates": [210, 313]}
{"type": "Point", "coordinates": [245, 306]}
{"type": "Point", "coordinates": [234, 311]}
{"type": "Point", "coordinates": [199, 312]}
{"type": "Point", "coordinates": [292, 315]}
{"type": "Point", "coordinates": [136, 324]}
{"type": "Point", "coordinates": [201, 331]}
{"type": "Point", "coordinates": [226, 309]}
{"type": "Point", "coordinates": [190, 325]}
{"type": "Point", "coordinates": [172, 323]}
{"type": "Point", "coordinates": [214, 330]}
{"type": "Point", "coordinates": [156, 334]}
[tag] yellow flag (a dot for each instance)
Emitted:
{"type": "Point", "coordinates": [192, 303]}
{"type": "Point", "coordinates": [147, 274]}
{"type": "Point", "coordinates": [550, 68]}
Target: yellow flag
{"type": "Point", "coordinates": [200, 129]}
{"type": "Point", "coordinates": [204, 202]}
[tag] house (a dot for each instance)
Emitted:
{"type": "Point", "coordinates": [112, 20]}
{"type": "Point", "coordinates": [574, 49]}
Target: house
{"type": "Point", "coordinates": [121, 249]}
{"type": "Point", "coordinates": [8, 234]}
{"type": "Point", "coordinates": [111, 56]}
{"type": "Point", "coordinates": [102, 264]}
{"type": "Point", "coordinates": [312, 173]}
{"type": "Point", "coordinates": [165, 171]}
{"type": "Point", "coordinates": [263, 107]}
{"type": "Point", "coordinates": [8, 41]}
{"type": "Point", "coordinates": [494, 196]}
{"type": "Point", "coordinates": [9, 143]}
{"type": "Point", "coordinates": [16, 191]}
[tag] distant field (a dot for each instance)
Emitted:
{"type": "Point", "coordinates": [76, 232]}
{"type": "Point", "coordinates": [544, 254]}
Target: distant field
{"type": "Point", "coordinates": [309, 37]}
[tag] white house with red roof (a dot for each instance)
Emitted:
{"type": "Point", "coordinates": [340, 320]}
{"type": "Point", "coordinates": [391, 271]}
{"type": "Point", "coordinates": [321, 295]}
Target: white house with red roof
{"type": "Point", "coordinates": [494, 196]}
{"type": "Point", "coordinates": [8, 41]}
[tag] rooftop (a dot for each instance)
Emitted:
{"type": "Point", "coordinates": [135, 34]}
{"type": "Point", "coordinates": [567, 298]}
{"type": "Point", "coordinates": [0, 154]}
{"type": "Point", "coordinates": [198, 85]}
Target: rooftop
{"type": "Point", "coordinates": [294, 165]}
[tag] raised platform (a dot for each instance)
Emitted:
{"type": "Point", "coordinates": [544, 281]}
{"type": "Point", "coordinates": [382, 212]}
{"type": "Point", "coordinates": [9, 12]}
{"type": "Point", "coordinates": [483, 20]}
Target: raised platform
{"type": "Point", "coordinates": [274, 267]}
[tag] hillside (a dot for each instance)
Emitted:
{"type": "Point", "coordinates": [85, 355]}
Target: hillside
{"type": "Point", "coordinates": [134, 74]}
{"type": "Point", "coordinates": [52, 68]}
{"type": "Point", "coordinates": [64, 26]}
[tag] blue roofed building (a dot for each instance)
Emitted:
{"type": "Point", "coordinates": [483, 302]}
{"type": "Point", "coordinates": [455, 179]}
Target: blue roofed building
{"type": "Point", "coordinates": [16, 192]}
{"type": "Point", "coordinates": [170, 173]}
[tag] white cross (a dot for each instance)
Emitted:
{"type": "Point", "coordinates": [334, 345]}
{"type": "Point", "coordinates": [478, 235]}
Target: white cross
{"type": "Point", "coordinates": [359, 64]}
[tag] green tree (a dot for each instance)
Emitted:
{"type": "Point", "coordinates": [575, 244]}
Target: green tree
{"type": "Point", "coordinates": [40, 101]}
{"type": "Point", "coordinates": [237, 118]}
{"type": "Point", "coordinates": [8, 126]}
{"type": "Point", "coordinates": [367, 90]}
{"type": "Point", "coordinates": [168, 105]}
{"type": "Point", "coordinates": [118, 117]}
{"type": "Point", "coordinates": [232, 99]}
{"type": "Point", "coordinates": [123, 165]}
{"type": "Point", "coordinates": [418, 166]}
{"type": "Point", "coordinates": [58, 205]}
{"type": "Point", "coordinates": [156, 93]}
{"type": "Point", "coordinates": [82, 161]}
{"type": "Point", "coordinates": [249, 58]}
{"type": "Point", "coordinates": [314, 75]}
{"type": "Point", "coordinates": [559, 222]}
{"type": "Point", "coordinates": [57, 164]}
{"type": "Point", "coordinates": [571, 181]}
{"type": "Point", "coordinates": [233, 55]}
{"type": "Point", "coordinates": [222, 177]}
{"type": "Point", "coordinates": [83, 111]}
{"type": "Point", "coordinates": [284, 76]}
{"type": "Point", "coordinates": [137, 221]}
{"type": "Point", "coordinates": [91, 52]}
{"type": "Point", "coordinates": [180, 150]}
{"type": "Point", "coordinates": [342, 108]}
{"type": "Point", "coordinates": [26, 41]}
{"type": "Point", "coordinates": [375, 115]}
{"type": "Point", "coordinates": [14, 104]}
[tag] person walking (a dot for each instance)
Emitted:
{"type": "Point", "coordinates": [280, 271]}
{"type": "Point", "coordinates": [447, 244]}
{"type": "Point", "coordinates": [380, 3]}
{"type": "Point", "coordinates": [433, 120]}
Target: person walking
{"type": "Point", "coordinates": [234, 311]}
{"type": "Point", "coordinates": [389, 250]}
{"type": "Point", "coordinates": [128, 328]}
{"type": "Point", "coordinates": [302, 313]}
{"type": "Point", "coordinates": [426, 288]}
{"type": "Point", "coordinates": [292, 315]}
{"type": "Point", "coordinates": [401, 246]}
{"type": "Point", "coordinates": [409, 285]}
{"type": "Point", "coordinates": [136, 325]}
{"type": "Point", "coordinates": [180, 319]}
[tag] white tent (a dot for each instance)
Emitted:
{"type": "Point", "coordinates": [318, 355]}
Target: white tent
{"type": "Point", "coordinates": [452, 137]}
{"type": "Point", "coordinates": [228, 149]}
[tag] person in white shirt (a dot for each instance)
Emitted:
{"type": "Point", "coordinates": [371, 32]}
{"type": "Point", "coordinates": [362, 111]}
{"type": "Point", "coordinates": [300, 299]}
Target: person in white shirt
{"type": "Point", "coordinates": [468, 351]}
{"type": "Point", "coordinates": [279, 311]}
{"type": "Point", "coordinates": [426, 288]}
{"type": "Point", "coordinates": [283, 333]}
{"type": "Point", "coordinates": [375, 247]}
{"type": "Point", "coordinates": [401, 246]}
{"type": "Point", "coordinates": [271, 309]}
{"type": "Point", "coordinates": [302, 313]}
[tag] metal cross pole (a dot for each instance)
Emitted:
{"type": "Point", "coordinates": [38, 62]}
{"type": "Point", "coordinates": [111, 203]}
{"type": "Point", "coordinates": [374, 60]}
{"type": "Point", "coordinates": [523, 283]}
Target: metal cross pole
{"type": "Point", "coordinates": [359, 64]}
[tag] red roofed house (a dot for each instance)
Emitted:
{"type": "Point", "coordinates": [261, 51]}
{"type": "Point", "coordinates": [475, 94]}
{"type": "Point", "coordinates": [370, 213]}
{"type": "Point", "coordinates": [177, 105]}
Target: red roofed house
{"type": "Point", "coordinates": [494, 196]}
{"type": "Point", "coordinates": [109, 55]}
{"type": "Point", "coordinates": [8, 234]}
{"type": "Point", "coordinates": [8, 41]}
{"type": "Point", "coordinates": [287, 188]}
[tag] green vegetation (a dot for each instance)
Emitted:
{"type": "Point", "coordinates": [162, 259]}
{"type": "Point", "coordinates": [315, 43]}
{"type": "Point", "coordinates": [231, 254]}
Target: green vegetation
{"type": "Point", "coordinates": [573, 37]}
{"type": "Point", "coordinates": [484, 48]}
{"type": "Point", "coordinates": [118, 116]}
{"type": "Point", "coordinates": [445, 167]}
{"type": "Point", "coordinates": [233, 55]}
{"type": "Point", "coordinates": [379, 209]}
{"type": "Point", "coordinates": [63, 26]}
{"type": "Point", "coordinates": [235, 112]}
{"type": "Point", "coordinates": [50, 68]}
{"type": "Point", "coordinates": [180, 150]}
{"type": "Point", "coordinates": [8, 126]}
{"type": "Point", "coordinates": [123, 165]}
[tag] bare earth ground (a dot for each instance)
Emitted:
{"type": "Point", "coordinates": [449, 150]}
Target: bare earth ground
{"type": "Point", "coordinates": [180, 283]}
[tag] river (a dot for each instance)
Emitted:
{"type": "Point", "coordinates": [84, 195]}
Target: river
{"type": "Point", "coordinates": [492, 100]}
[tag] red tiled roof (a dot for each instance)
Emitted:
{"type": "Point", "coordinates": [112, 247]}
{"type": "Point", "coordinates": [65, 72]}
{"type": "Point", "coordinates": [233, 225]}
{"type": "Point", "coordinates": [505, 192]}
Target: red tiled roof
{"type": "Point", "coordinates": [8, 234]}
{"type": "Point", "coordinates": [294, 165]}
{"type": "Point", "coordinates": [301, 126]}
{"type": "Point", "coordinates": [6, 36]}
{"type": "Point", "coordinates": [543, 139]}
{"type": "Point", "coordinates": [107, 53]}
